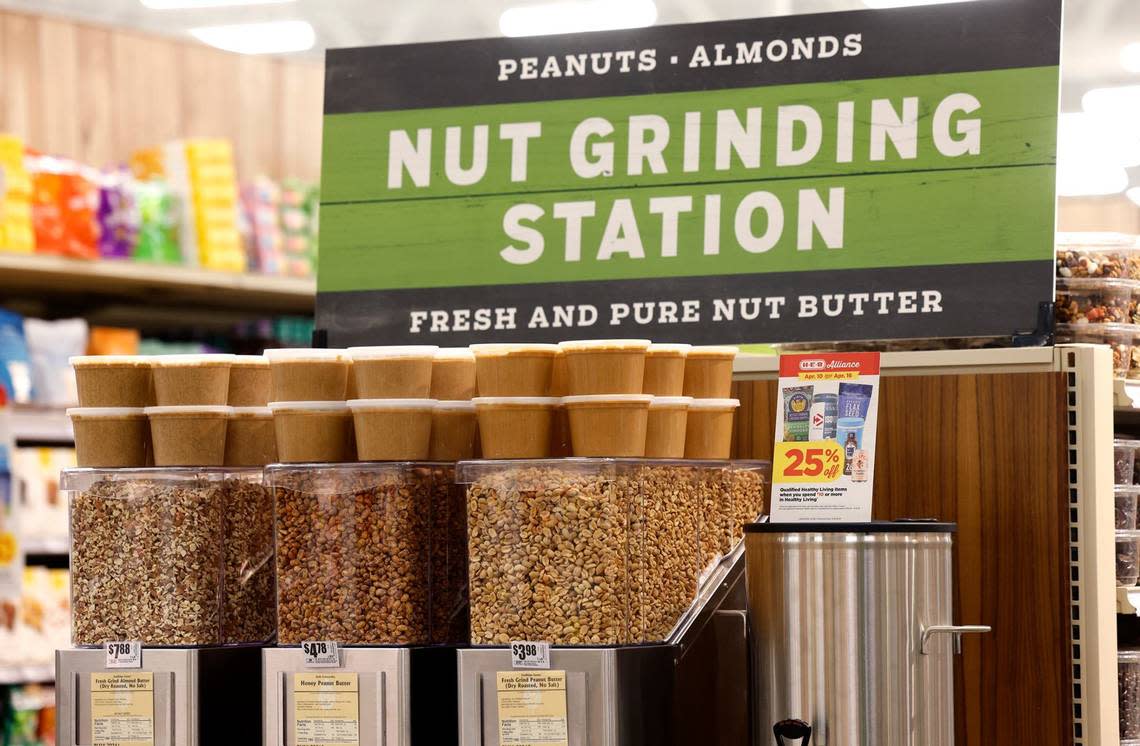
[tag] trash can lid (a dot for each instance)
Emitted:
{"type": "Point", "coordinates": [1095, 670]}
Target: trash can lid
{"type": "Point", "coordinates": [907, 526]}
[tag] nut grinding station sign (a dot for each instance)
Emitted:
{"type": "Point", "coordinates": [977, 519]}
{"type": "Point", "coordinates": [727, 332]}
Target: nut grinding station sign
{"type": "Point", "coordinates": [858, 175]}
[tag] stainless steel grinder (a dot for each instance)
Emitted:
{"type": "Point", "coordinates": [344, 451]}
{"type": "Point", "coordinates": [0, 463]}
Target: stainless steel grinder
{"type": "Point", "coordinates": [850, 632]}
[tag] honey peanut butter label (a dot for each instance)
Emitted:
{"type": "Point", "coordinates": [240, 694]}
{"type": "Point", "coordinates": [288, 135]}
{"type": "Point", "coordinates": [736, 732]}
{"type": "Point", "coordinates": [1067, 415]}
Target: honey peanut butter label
{"type": "Point", "coordinates": [326, 709]}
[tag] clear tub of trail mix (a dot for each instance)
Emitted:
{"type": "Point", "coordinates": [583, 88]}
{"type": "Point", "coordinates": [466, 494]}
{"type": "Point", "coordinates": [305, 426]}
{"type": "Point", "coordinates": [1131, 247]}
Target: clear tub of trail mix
{"type": "Point", "coordinates": [1093, 301]}
{"type": "Point", "coordinates": [354, 551]}
{"type": "Point", "coordinates": [584, 551]}
{"type": "Point", "coordinates": [1118, 337]}
{"type": "Point", "coordinates": [170, 556]}
{"type": "Point", "coordinates": [1096, 255]}
{"type": "Point", "coordinates": [1128, 689]}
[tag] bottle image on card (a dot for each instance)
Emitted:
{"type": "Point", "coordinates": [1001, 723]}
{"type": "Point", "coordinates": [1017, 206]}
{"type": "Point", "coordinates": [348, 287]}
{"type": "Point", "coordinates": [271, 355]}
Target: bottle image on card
{"type": "Point", "coordinates": [859, 464]}
{"type": "Point", "coordinates": [849, 449]}
{"type": "Point", "coordinates": [824, 413]}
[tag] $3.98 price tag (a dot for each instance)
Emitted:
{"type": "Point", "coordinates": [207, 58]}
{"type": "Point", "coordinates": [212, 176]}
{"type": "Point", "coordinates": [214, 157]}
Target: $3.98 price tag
{"type": "Point", "coordinates": [817, 461]}
{"type": "Point", "coordinates": [530, 655]}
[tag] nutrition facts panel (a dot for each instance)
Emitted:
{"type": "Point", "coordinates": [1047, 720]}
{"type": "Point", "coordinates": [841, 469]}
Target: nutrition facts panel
{"type": "Point", "coordinates": [326, 709]}
{"type": "Point", "coordinates": [122, 709]}
{"type": "Point", "coordinates": [532, 708]}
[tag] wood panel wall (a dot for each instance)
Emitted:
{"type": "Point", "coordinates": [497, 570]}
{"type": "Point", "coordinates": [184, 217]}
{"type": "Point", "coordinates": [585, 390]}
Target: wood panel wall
{"type": "Point", "coordinates": [987, 452]}
{"type": "Point", "coordinates": [98, 94]}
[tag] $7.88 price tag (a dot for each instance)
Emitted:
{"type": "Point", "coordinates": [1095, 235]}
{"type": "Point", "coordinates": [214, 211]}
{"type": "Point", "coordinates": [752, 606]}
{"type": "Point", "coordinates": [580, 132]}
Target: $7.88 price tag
{"type": "Point", "coordinates": [817, 461]}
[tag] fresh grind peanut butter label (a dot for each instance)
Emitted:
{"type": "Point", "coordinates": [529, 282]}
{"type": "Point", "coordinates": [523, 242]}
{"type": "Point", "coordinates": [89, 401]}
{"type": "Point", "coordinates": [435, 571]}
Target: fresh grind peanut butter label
{"type": "Point", "coordinates": [823, 462]}
{"type": "Point", "coordinates": [874, 174]}
{"type": "Point", "coordinates": [122, 709]}
{"type": "Point", "coordinates": [532, 708]}
{"type": "Point", "coordinates": [326, 709]}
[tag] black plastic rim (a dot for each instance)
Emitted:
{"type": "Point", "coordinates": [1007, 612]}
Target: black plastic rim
{"type": "Point", "coordinates": [874, 527]}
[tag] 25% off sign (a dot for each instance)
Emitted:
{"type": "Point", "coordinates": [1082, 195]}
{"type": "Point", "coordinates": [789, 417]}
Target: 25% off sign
{"type": "Point", "coordinates": [816, 461]}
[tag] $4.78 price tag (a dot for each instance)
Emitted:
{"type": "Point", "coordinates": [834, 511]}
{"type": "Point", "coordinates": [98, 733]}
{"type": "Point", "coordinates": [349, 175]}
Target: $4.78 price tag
{"type": "Point", "coordinates": [123, 654]}
{"type": "Point", "coordinates": [321, 654]}
{"type": "Point", "coordinates": [530, 655]}
{"type": "Point", "coordinates": [818, 461]}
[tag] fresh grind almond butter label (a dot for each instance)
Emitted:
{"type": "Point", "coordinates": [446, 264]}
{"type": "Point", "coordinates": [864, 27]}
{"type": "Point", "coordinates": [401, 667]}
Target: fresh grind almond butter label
{"type": "Point", "coordinates": [532, 708]}
{"type": "Point", "coordinates": [326, 709]}
{"type": "Point", "coordinates": [122, 709]}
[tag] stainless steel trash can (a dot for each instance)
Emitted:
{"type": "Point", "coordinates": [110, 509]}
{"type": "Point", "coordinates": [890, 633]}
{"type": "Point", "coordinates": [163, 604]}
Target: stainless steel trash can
{"type": "Point", "coordinates": [851, 636]}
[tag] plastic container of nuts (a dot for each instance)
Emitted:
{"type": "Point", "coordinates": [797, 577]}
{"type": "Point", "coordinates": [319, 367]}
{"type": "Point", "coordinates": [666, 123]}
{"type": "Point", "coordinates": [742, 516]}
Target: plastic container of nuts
{"type": "Point", "coordinates": [594, 551]}
{"type": "Point", "coordinates": [1094, 301]}
{"type": "Point", "coordinates": [1123, 460]}
{"type": "Point", "coordinates": [1095, 255]}
{"type": "Point", "coordinates": [1125, 510]}
{"type": "Point", "coordinates": [1118, 337]}
{"type": "Point", "coordinates": [1128, 689]}
{"type": "Point", "coordinates": [176, 557]}
{"type": "Point", "coordinates": [1127, 558]}
{"type": "Point", "coordinates": [353, 551]}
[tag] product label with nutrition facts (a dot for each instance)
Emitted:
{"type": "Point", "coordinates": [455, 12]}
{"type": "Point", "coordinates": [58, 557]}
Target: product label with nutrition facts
{"type": "Point", "coordinates": [881, 174]}
{"type": "Point", "coordinates": [122, 709]}
{"type": "Point", "coordinates": [326, 709]}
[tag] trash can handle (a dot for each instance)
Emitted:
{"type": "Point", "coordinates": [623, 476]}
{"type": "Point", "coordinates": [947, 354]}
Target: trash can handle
{"type": "Point", "coordinates": [793, 729]}
{"type": "Point", "coordinates": [949, 629]}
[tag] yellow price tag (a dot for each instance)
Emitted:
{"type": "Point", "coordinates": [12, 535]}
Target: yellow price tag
{"type": "Point", "coordinates": [817, 461]}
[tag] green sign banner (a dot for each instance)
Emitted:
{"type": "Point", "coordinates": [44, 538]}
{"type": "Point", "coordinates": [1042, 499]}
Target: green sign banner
{"type": "Point", "coordinates": [865, 175]}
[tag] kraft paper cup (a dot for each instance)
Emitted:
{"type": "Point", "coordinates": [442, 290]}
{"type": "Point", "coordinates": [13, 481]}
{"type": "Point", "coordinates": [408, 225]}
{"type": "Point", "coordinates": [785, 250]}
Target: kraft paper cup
{"type": "Point", "coordinates": [308, 374]}
{"type": "Point", "coordinates": [453, 374]}
{"type": "Point", "coordinates": [111, 437]}
{"type": "Point", "coordinates": [513, 370]}
{"type": "Point", "coordinates": [250, 437]}
{"type": "Point", "coordinates": [350, 383]}
{"type": "Point", "coordinates": [313, 432]}
{"type": "Point", "coordinates": [392, 429]}
{"type": "Point", "coordinates": [560, 445]}
{"type": "Point", "coordinates": [708, 428]}
{"type": "Point", "coordinates": [189, 435]}
{"type": "Point", "coordinates": [453, 428]}
{"type": "Point", "coordinates": [665, 430]}
{"type": "Point", "coordinates": [559, 376]}
{"type": "Point", "coordinates": [608, 425]}
{"type": "Point", "coordinates": [392, 372]}
{"type": "Point", "coordinates": [708, 372]}
{"type": "Point", "coordinates": [191, 380]}
{"type": "Point", "coordinates": [605, 366]}
{"type": "Point", "coordinates": [665, 369]}
{"type": "Point", "coordinates": [113, 381]}
{"type": "Point", "coordinates": [515, 427]}
{"type": "Point", "coordinates": [250, 381]}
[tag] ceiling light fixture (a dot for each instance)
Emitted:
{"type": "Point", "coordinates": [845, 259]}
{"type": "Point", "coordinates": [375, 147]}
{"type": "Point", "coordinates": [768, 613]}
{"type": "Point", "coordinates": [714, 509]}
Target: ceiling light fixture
{"type": "Point", "coordinates": [1130, 57]}
{"type": "Point", "coordinates": [273, 37]}
{"type": "Point", "coordinates": [191, 4]}
{"type": "Point", "coordinates": [879, 4]}
{"type": "Point", "coordinates": [1119, 102]}
{"type": "Point", "coordinates": [1089, 159]}
{"type": "Point", "coordinates": [573, 17]}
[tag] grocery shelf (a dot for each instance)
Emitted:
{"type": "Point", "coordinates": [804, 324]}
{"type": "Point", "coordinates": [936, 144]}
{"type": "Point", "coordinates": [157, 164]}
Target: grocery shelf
{"type": "Point", "coordinates": [43, 673]}
{"type": "Point", "coordinates": [1126, 394]}
{"type": "Point", "coordinates": [162, 284]}
{"type": "Point", "coordinates": [46, 545]}
{"type": "Point", "coordinates": [1128, 600]}
{"type": "Point", "coordinates": [41, 425]}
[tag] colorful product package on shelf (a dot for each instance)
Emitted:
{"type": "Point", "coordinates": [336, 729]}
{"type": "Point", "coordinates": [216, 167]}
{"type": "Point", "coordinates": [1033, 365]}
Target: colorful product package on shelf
{"type": "Point", "coordinates": [117, 215]}
{"type": "Point", "coordinates": [300, 204]}
{"type": "Point", "coordinates": [65, 197]}
{"type": "Point", "coordinates": [158, 223]}
{"type": "Point", "coordinates": [15, 362]}
{"type": "Point", "coordinates": [50, 344]}
{"type": "Point", "coordinates": [16, 233]}
{"type": "Point", "coordinates": [261, 203]}
{"type": "Point", "coordinates": [43, 511]}
{"type": "Point", "coordinates": [108, 340]}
